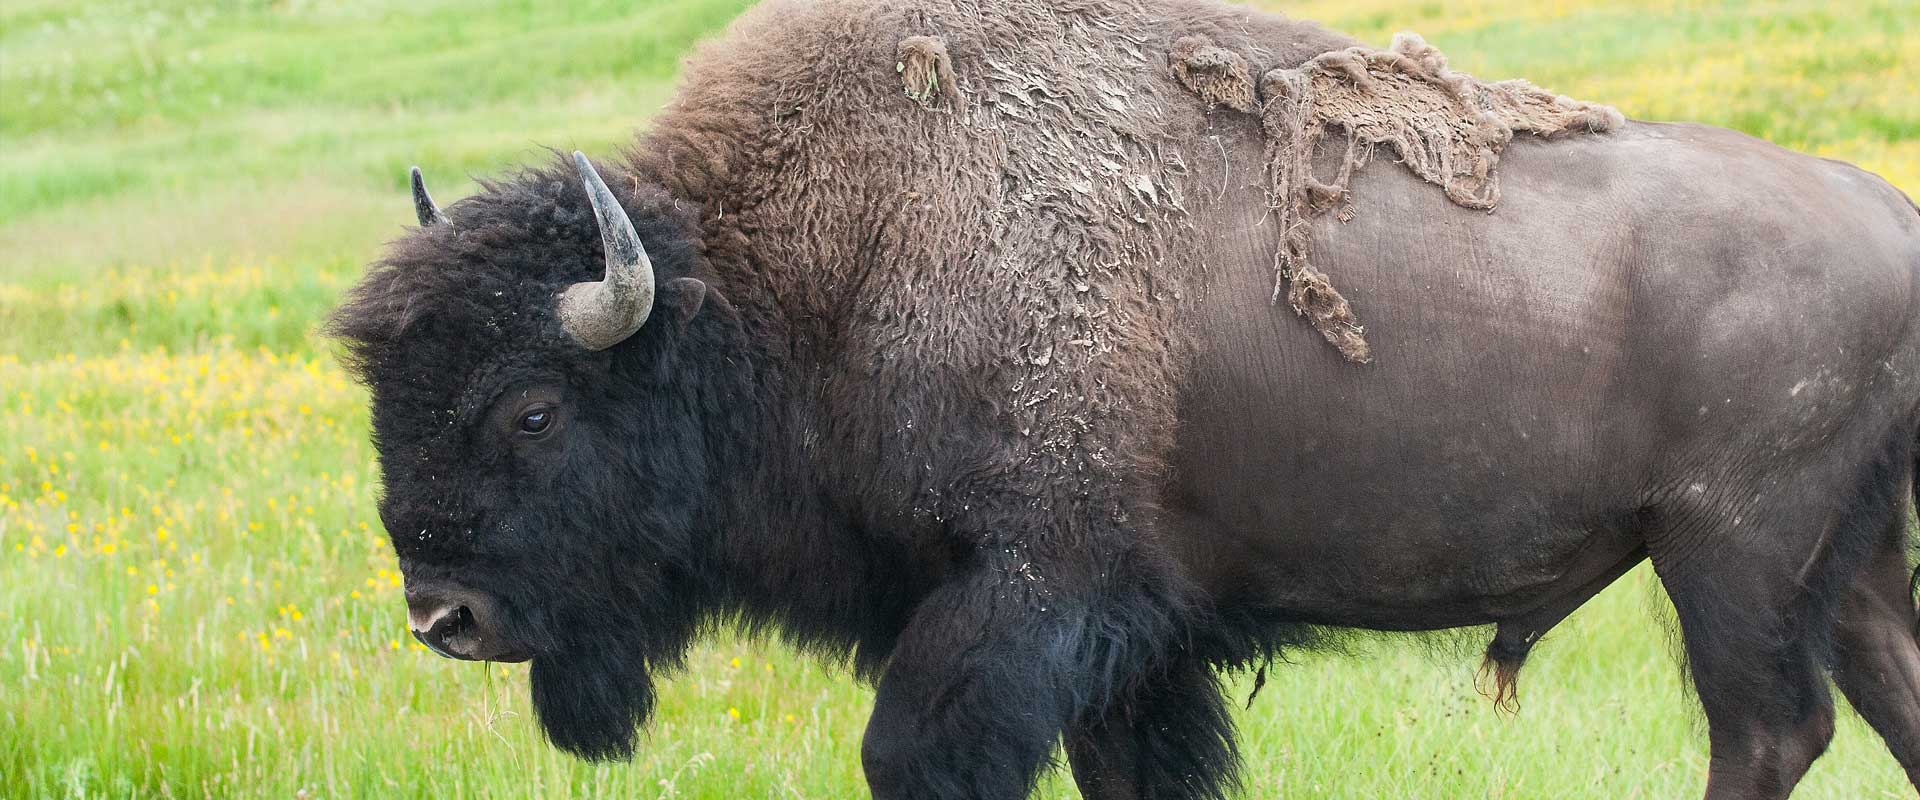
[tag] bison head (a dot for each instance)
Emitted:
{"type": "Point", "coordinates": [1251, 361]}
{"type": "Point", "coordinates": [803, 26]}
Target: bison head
{"type": "Point", "coordinates": [543, 467]}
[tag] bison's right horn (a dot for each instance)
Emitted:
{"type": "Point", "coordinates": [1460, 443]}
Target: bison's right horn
{"type": "Point", "coordinates": [423, 207]}
{"type": "Point", "coordinates": [600, 314]}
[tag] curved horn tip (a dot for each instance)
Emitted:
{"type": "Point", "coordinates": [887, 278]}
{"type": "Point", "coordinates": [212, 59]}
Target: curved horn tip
{"type": "Point", "coordinates": [424, 208]}
{"type": "Point", "coordinates": [590, 174]}
{"type": "Point", "coordinates": [600, 314]}
{"type": "Point", "coordinates": [597, 190]}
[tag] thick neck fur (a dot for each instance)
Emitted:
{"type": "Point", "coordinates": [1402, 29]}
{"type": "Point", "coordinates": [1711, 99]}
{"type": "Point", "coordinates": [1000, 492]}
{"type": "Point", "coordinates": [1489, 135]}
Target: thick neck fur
{"type": "Point", "coordinates": [791, 546]}
{"type": "Point", "coordinates": [780, 553]}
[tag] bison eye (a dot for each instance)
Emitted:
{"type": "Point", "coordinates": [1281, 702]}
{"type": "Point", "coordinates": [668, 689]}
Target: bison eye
{"type": "Point", "coordinates": [536, 420]}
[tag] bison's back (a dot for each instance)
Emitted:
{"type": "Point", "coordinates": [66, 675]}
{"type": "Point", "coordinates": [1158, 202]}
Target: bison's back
{"type": "Point", "coordinates": [1643, 308]}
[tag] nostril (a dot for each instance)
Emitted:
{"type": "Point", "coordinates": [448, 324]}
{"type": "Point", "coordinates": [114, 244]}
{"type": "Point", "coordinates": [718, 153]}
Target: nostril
{"type": "Point", "coordinates": [425, 620]}
{"type": "Point", "coordinates": [456, 623]}
{"type": "Point", "coordinates": [449, 622]}
{"type": "Point", "coordinates": [463, 631]}
{"type": "Point", "coordinates": [460, 621]}
{"type": "Point", "coordinates": [446, 631]}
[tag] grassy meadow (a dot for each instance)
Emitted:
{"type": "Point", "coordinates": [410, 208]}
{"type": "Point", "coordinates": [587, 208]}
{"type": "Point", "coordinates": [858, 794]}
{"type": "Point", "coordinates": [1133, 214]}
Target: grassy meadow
{"type": "Point", "coordinates": [196, 597]}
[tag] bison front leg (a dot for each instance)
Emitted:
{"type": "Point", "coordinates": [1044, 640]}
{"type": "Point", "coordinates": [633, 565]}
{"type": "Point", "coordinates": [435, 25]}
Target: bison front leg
{"type": "Point", "coordinates": [1171, 738]}
{"type": "Point", "coordinates": [992, 669]}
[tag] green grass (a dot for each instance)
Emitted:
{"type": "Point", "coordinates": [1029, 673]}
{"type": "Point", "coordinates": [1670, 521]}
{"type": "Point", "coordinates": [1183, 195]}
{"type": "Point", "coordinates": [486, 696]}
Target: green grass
{"type": "Point", "coordinates": [195, 596]}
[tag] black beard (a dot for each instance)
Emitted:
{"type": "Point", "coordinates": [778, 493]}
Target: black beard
{"type": "Point", "coordinates": [592, 701]}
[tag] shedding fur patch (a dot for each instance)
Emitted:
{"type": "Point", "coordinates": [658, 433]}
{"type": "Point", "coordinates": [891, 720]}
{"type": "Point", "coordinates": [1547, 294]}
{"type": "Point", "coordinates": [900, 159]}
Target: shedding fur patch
{"type": "Point", "coordinates": [926, 72]}
{"type": "Point", "coordinates": [1219, 76]}
{"type": "Point", "coordinates": [1446, 127]}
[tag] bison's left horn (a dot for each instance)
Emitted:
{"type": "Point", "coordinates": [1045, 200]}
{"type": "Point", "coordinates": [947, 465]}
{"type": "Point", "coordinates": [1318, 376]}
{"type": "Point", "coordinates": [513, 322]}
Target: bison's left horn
{"type": "Point", "coordinates": [600, 314]}
{"type": "Point", "coordinates": [423, 207]}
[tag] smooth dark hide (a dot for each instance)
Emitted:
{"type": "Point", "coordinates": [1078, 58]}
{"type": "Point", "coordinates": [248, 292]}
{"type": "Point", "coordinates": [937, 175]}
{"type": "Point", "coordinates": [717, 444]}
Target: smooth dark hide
{"type": "Point", "coordinates": [965, 367]}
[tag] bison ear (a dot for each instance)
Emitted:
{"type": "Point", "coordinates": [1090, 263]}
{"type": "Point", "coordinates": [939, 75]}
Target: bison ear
{"type": "Point", "coordinates": [682, 298]}
{"type": "Point", "coordinates": [676, 303]}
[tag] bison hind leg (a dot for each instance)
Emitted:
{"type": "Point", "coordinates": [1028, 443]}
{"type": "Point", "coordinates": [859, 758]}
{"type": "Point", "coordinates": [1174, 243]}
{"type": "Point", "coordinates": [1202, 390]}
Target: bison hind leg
{"type": "Point", "coordinates": [1761, 571]}
{"type": "Point", "coordinates": [1876, 659]}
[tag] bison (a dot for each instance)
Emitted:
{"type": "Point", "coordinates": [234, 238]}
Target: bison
{"type": "Point", "coordinates": [979, 346]}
